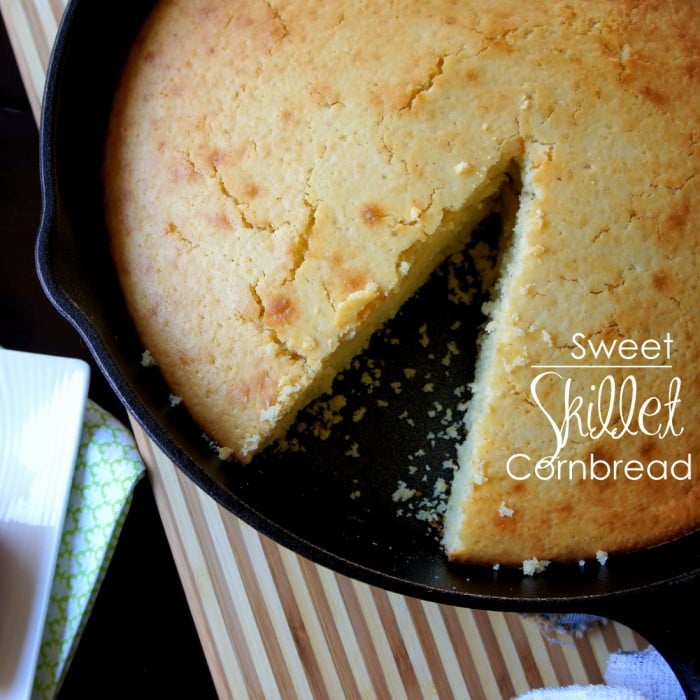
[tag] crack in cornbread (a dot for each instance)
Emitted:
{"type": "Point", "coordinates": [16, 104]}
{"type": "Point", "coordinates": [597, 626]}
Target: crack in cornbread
{"type": "Point", "coordinates": [281, 177]}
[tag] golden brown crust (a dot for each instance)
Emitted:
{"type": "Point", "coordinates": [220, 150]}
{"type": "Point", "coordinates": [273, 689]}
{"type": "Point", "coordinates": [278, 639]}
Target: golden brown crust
{"type": "Point", "coordinates": [280, 176]}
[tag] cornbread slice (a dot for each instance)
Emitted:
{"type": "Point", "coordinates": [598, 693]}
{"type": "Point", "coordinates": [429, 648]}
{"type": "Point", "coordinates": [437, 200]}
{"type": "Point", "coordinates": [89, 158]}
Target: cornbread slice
{"type": "Point", "coordinates": [281, 177]}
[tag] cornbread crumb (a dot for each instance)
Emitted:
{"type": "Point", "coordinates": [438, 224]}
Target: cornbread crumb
{"type": "Point", "coordinates": [147, 359]}
{"type": "Point", "coordinates": [504, 511]}
{"type": "Point", "coordinates": [424, 339]}
{"type": "Point", "coordinates": [534, 566]}
{"type": "Point", "coordinates": [353, 451]}
{"type": "Point", "coordinates": [359, 414]}
{"type": "Point", "coordinates": [402, 493]}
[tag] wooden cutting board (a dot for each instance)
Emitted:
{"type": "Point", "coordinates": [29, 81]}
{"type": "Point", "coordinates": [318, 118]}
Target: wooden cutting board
{"type": "Point", "coordinates": [273, 624]}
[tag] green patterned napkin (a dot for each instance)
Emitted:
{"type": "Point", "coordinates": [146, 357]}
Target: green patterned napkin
{"type": "Point", "coordinates": [107, 469]}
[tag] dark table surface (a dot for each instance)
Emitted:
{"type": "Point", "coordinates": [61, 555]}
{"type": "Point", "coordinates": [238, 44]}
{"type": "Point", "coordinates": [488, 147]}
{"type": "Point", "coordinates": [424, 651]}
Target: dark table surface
{"type": "Point", "coordinates": [140, 640]}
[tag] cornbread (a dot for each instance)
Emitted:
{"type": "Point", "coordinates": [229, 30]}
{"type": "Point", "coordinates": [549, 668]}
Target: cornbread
{"type": "Point", "coordinates": [281, 177]}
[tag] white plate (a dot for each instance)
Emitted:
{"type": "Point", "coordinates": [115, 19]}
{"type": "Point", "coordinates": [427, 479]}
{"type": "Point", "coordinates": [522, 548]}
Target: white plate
{"type": "Point", "coordinates": [42, 401]}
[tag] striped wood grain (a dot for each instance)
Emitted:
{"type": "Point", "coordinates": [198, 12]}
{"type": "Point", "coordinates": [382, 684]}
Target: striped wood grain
{"type": "Point", "coordinates": [278, 626]}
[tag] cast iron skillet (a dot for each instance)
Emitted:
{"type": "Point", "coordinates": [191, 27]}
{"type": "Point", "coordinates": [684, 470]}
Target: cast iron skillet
{"type": "Point", "coordinates": [330, 507]}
